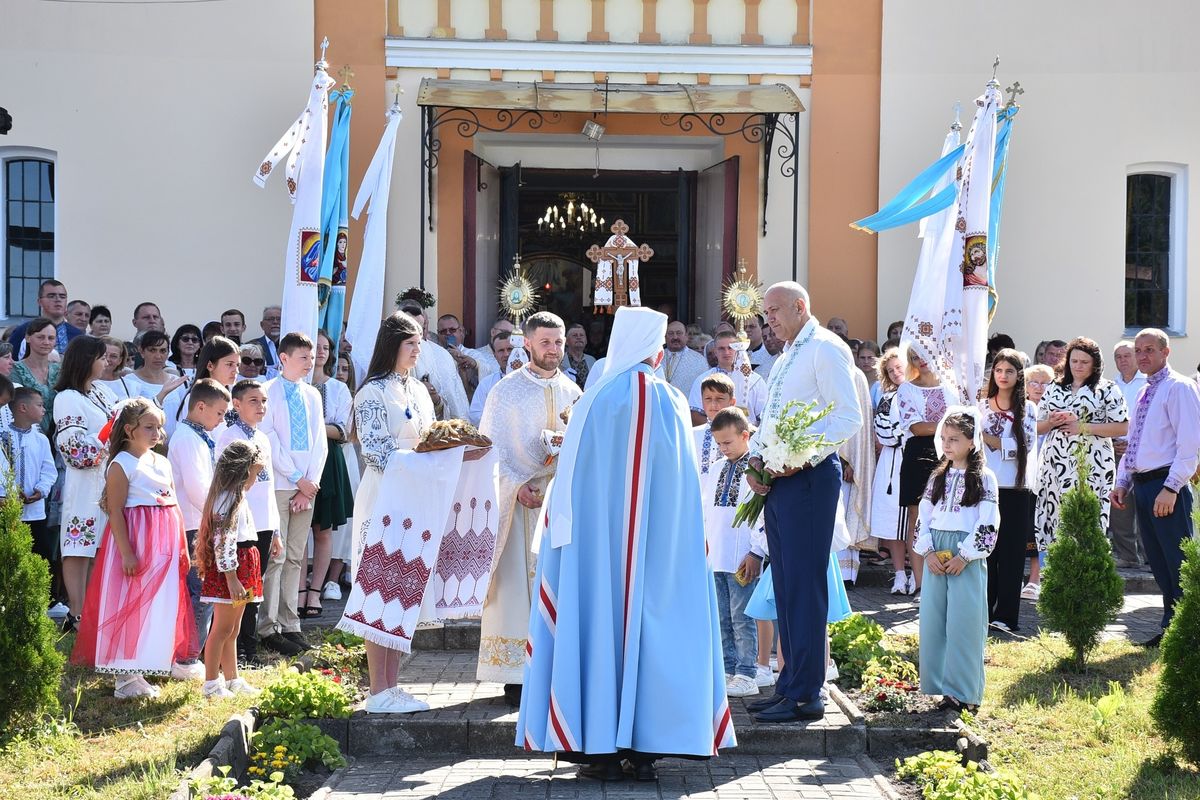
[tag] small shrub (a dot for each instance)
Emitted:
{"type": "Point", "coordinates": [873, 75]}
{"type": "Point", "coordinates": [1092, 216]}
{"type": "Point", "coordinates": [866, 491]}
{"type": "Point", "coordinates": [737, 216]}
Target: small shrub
{"type": "Point", "coordinates": [1176, 706]}
{"type": "Point", "coordinates": [1106, 708]}
{"type": "Point", "coordinates": [1081, 590]}
{"type": "Point", "coordinates": [299, 695]}
{"type": "Point", "coordinates": [30, 665]}
{"type": "Point", "coordinates": [336, 636]}
{"type": "Point", "coordinates": [338, 658]}
{"type": "Point", "coordinates": [290, 746]}
{"type": "Point", "coordinates": [854, 643]}
{"type": "Point", "coordinates": [941, 776]}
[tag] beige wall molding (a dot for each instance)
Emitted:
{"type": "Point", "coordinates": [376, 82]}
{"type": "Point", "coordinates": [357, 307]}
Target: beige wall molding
{"type": "Point", "coordinates": [598, 56]}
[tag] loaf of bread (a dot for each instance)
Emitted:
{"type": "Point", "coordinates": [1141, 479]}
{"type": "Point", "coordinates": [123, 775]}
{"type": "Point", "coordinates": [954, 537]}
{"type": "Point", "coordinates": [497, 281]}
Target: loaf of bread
{"type": "Point", "coordinates": [446, 434]}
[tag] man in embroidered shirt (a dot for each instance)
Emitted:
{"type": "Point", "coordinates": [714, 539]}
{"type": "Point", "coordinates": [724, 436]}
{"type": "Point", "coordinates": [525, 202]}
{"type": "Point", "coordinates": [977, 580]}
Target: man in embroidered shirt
{"type": "Point", "coordinates": [1122, 522]}
{"type": "Point", "coordinates": [1159, 461]}
{"type": "Point", "coordinates": [52, 304]}
{"type": "Point", "coordinates": [295, 426]}
{"type": "Point", "coordinates": [752, 398]}
{"type": "Point", "coordinates": [802, 502]}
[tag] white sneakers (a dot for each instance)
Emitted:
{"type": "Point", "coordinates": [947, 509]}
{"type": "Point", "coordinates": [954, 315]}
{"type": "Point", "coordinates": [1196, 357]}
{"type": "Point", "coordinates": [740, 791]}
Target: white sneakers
{"type": "Point", "coordinates": [215, 689]}
{"type": "Point", "coordinates": [331, 591]}
{"type": "Point", "coordinates": [187, 672]}
{"type": "Point", "coordinates": [741, 686]}
{"type": "Point", "coordinates": [1032, 591]}
{"type": "Point", "coordinates": [132, 686]}
{"type": "Point", "coordinates": [58, 612]}
{"type": "Point", "coordinates": [239, 686]}
{"type": "Point", "coordinates": [764, 676]}
{"type": "Point", "coordinates": [394, 701]}
{"type": "Point", "coordinates": [900, 584]}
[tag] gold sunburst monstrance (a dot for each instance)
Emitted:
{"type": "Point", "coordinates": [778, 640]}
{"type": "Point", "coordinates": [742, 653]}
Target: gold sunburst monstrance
{"type": "Point", "coordinates": [518, 298]}
{"type": "Point", "coordinates": [742, 299]}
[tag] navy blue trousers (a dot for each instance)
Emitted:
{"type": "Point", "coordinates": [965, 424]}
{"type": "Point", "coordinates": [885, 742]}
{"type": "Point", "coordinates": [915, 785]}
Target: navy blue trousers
{"type": "Point", "coordinates": [799, 515]}
{"type": "Point", "coordinates": [1162, 537]}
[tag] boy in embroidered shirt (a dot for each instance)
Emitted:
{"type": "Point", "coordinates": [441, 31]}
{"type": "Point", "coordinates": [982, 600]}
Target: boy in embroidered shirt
{"type": "Point", "coordinates": [716, 393]}
{"type": "Point", "coordinates": [295, 425]}
{"type": "Point", "coordinates": [735, 554]}
{"type": "Point", "coordinates": [25, 450]}
{"type": "Point", "coordinates": [250, 403]}
{"type": "Point", "coordinates": [192, 453]}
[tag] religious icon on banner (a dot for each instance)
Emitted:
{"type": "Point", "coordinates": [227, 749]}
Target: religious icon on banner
{"type": "Point", "coordinates": [339, 258]}
{"type": "Point", "coordinates": [310, 256]}
{"type": "Point", "coordinates": [974, 266]}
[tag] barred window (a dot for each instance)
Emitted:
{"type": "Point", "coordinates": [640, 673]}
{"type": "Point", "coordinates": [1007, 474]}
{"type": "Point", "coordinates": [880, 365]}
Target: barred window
{"type": "Point", "coordinates": [28, 232]}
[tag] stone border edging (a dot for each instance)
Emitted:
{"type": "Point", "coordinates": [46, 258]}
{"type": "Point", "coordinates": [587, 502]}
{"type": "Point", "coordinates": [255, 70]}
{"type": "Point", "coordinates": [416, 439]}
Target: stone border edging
{"type": "Point", "coordinates": [877, 777]}
{"type": "Point", "coordinates": [230, 750]}
{"type": "Point", "coordinates": [332, 781]}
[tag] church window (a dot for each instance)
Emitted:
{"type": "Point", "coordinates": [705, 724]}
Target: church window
{"type": "Point", "coordinates": [1155, 233]}
{"type": "Point", "coordinates": [27, 235]}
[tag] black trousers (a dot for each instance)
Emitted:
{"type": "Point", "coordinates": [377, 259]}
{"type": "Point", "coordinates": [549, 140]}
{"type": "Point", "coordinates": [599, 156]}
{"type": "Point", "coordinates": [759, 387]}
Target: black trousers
{"type": "Point", "coordinates": [1006, 564]}
{"type": "Point", "coordinates": [250, 617]}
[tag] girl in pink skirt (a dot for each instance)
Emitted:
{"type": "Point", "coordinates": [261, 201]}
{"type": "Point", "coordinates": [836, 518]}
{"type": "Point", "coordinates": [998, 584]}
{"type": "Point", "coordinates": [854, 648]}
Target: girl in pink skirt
{"type": "Point", "coordinates": [227, 558]}
{"type": "Point", "coordinates": [137, 616]}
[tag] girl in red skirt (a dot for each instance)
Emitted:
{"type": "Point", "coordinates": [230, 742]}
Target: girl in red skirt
{"type": "Point", "coordinates": [227, 559]}
{"type": "Point", "coordinates": [137, 616]}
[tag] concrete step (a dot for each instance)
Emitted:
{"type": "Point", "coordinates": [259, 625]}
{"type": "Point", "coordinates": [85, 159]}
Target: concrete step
{"type": "Point", "coordinates": [471, 717]}
{"type": "Point", "coordinates": [881, 575]}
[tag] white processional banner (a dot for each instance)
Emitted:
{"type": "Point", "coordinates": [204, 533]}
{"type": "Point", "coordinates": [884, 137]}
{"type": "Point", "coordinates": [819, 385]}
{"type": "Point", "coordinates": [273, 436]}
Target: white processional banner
{"type": "Point", "coordinates": [303, 144]}
{"type": "Point", "coordinates": [366, 308]}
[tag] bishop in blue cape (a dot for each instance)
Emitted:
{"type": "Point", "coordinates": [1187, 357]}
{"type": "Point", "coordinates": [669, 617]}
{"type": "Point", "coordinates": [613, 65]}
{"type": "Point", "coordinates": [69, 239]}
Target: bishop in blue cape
{"type": "Point", "coordinates": [624, 653]}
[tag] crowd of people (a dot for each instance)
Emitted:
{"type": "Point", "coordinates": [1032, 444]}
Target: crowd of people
{"type": "Point", "coordinates": [197, 491]}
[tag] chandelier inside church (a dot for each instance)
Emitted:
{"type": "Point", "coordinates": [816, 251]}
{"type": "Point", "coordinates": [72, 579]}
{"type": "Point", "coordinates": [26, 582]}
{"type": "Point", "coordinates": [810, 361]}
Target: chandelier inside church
{"type": "Point", "coordinates": [570, 217]}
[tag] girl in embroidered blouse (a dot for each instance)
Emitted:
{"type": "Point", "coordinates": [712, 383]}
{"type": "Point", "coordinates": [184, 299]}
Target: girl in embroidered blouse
{"type": "Point", "coordinates": [227, 557]}
{"type": "Point", "coordinates": [956, 531]}
{"type": "Point", "coordinates": [138, 615]}
{"type": "Point", "coordinates": [920, 403]}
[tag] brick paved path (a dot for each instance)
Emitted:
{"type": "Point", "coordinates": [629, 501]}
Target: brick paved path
{"type": "Point", "coordinates": [730, 777]}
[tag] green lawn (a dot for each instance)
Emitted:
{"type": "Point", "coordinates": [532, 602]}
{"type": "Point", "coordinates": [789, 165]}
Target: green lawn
{"type": "Point", "coordinates": [102, 748]}
{"type": "Point", "coordinates": [1043, 723]}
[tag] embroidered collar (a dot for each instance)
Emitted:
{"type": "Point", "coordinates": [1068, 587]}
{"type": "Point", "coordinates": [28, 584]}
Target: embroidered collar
{"type": "Point", "coordinates": [14, 427]}
{"type": "Point", "coordinates": [249, 430]}
{"type": "Point", "coordinates": [199, 429]}
{"type": "Point", "coordinates": [1159, 376]}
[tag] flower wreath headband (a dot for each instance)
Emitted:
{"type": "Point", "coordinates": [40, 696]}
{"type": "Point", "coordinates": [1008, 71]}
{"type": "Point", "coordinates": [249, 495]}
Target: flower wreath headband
{"type": "Point", "coordinates": [969, 411]}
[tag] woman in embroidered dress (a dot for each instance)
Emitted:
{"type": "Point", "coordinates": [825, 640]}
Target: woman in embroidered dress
{"type": "Point", "coordinates": [1081, 408]}
{"type": "Point", "coordinates": [36, 370]}
{"type": "Point", "coordinates": [887, 523]}
{"type": "Point", "coordinates": [335, 499]}
{"type": "Point", "coordinates": [1010, 439]}
{"type": "Point", "coordinates": [390, 411]}
{"type": "Point", "coordinates": [82, 408]}
{"type": "Point", "coordinates": [138, 617]}
{"type": "Point", "coordinates": [921, 402]}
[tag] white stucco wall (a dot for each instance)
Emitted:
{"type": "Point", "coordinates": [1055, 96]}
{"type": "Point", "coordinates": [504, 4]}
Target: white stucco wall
{"type": "Point", "coordinates": [1107, 87]}
{"type": "Point", "coordinates": [158, 115]}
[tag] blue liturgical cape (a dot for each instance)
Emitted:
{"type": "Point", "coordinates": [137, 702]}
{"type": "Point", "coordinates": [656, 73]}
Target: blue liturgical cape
{"type": "Point", "coordinates": [624, 648]}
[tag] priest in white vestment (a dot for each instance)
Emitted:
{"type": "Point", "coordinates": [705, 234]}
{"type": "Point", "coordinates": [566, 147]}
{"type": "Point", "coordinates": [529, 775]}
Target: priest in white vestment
{"type": "Point", "coordinates": [681, 365]}
{"type": "Point", "coordinates": [523, 416]}
{"type": "Point", "coordinates": [436, 367]}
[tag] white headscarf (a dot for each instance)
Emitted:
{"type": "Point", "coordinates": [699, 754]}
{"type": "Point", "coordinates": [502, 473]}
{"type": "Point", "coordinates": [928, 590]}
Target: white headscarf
{"type": "Point", "coordinates": [970, 411]}
{"type": "Point", "coordinates": [638, 334]}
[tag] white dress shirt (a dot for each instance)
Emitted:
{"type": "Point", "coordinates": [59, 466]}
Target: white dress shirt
{"type": "Point", "coordinates": [33, 463]}
{"type": "Point", "coordinates": [260, 499]}
{"type": "Point", "coordinates": [192, 465]}
{"type": "Point", "coordinates": [816, 366]}
{"type": "Point", "coordinates": [1130, 392]}
{"type": "Point", "coordinates": [762, 361]}
{"type": "Point", "coordinates": [292, 465]}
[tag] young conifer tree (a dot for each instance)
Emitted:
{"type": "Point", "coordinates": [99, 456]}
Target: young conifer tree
{"type": "Point", "coordinates": [1081, 590]}
{"type": "Point", "coordinates": [1176, 708]}
{"type": "Point", "coordinates": [30, 665]}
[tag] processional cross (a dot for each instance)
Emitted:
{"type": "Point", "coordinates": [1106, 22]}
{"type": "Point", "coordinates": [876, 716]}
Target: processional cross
{"type": "Point", "coordinates": [617, 282]}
